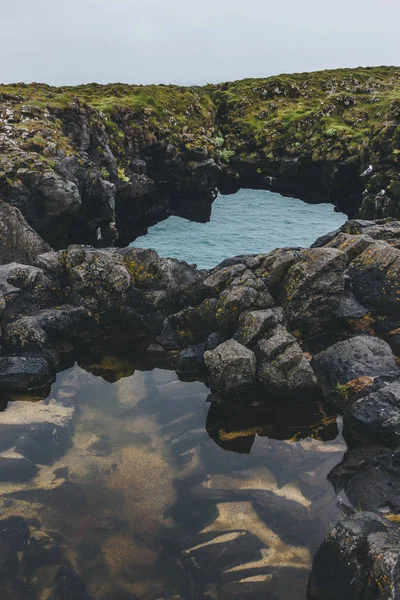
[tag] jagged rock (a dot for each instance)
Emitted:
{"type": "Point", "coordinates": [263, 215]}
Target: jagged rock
{"type": "Point", "coordinates": [231, 368]}
{"type": "Point", "coordinates": [382, 492]}
{"type": "Point", "coordinates": [245, 293]}
{"type": "Point", "coordinates": [352, 461]}
{"type": "Point", "coordinates": [312, 290]}
{"type": "Point", "coordinates": [283, 370]}
{"type": "Point", "coordinates": [189, 326]}
{"type": "Point", "coordinates": [356, 357]}
{"type": "Point", "coordinates": [359, 560]}
{"type": "Point", "coordinates": [256, 324]}
{"type": "Point", "coordinates": [19, 374]}
{"type": "Point", "coordinates": [351, 245]}
{"type": "Point", "coordinates": [376, 415]}
{"type": "Point", "coordinates": [375, 275]}
{"type": "Point", "coordinates": [18, 241]}
{"type": "Point", "coordinates": [275, 266]}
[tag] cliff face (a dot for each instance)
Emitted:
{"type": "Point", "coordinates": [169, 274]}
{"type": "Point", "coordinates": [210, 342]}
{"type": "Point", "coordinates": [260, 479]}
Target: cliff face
{"type": "Point", "coordinates": [77, 160]}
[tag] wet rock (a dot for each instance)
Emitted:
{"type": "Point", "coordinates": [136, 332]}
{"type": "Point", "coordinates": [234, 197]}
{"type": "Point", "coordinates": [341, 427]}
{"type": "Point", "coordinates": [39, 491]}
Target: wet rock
{"type": "Point", "coordinates": [16, 469]}
{"type": "Point", "coordinates": [19, 374]}
{"type": "Point", "coordinates": [359, 560]}
{"type": "Point", "coordinates": [356, 357]}
{"type": "Point", "coordinates": [352, 461]}
{"type": "Point", "coordinates": [282, 368]}
{"type": "Point", "coordinates": [382, 493]}
{"type": "Point", "coordinates": [190, 361]}
{"type": "Point", "coordinates": [313, 287]}
{"type": "Point", "coordinates": [18, 241]}
{"type": "Point", "coordinates": [232, 368]}
{"type": "Point", "coordinates": [376, 416]}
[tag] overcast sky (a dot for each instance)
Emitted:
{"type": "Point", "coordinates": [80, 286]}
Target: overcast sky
{"type": "Point", "coordinates": [181, 41]}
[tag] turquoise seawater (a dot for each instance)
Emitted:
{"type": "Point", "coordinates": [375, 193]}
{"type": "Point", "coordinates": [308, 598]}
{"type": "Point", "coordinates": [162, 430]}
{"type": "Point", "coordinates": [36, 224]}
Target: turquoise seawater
{"type": "Point", "coordinates": [248, 222]}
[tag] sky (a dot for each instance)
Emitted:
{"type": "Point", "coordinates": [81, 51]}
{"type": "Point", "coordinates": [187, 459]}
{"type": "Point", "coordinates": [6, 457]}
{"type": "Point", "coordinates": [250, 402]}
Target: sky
{"type": "Point", "coordinates": [181, 41]}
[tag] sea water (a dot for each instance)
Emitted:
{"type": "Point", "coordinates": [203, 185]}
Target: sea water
{"type": "Point", "coordinates": [248, 222]}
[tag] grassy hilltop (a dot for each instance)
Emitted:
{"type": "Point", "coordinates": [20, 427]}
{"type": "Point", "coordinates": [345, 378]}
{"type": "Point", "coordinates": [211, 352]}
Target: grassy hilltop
{"type": "Point", "coordinates": [298, 128]}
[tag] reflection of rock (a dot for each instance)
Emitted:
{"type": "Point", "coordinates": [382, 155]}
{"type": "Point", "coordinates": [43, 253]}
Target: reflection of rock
{"type": "Point", "coordinates": [66, 497]}
{"type": "Point", "coordinates": [234, 427]}
{"type": "Point", "coordinates": [39, 432]}
{"type": "Point", "coordinates": [16, 469]}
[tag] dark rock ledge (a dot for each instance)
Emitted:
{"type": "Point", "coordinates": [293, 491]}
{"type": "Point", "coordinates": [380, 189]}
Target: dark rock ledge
{"type": "Point", "coordinates": [292, 325]}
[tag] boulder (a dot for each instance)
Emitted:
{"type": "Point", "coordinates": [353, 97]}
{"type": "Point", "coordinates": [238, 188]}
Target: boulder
{"type": "Point", "coordinates": [20, 374]}
{"type": "Point", "coordinates": [313, 288]}
{"type": "Point", "coordinates": [282, 368]}
{"type": "Point", "coordinates": [189, 326]}
{"type": "Point", "coordinates": [375, 279]}
{"type": "Point", "coordinates": [231, 368]}
{"type": "Point", "coordinates": [18, 241]}
{"type": "Point", "coordinates": [376, 416]}
{"type": "Point", "coordinates": [246, 293]}
{"type": "Point", "coordinates": [355, 357]}
{"type": "Point", "coordinates": [256, 324]}
{"type": "Point", "coordinates": [359, 560]}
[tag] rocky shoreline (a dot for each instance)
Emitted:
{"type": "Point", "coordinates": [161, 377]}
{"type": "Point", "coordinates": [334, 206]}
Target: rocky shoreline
{"type": "Point", "coordinates": [293, 325]}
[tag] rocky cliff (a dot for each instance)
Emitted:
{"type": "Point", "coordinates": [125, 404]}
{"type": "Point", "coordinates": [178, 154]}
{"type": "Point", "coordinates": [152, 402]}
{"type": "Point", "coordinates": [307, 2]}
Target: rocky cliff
{"type": "Point", "coordinates": [99, 164]}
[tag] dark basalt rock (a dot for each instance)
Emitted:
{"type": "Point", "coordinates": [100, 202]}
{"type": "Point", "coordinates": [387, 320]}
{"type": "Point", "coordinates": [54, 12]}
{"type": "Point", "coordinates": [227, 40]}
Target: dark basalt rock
{"type": "Point", "coordinates": [358, 356]}
{"type": "Point", "coordinates": [18, 241]}
{"type": "Point", "coordinates": [376, 416]}
{"type": "Point", "coordinates": [190, 361]}
{"type": "Point", "coordinates": [313, 288]}
{"type": "Point", "coordinates": [232, 369]}
{"type": "Point", "coordinates": [18, 374]}
{"type": "Point", "coordinates": [283, 370]}
{"type": "Point", "coordinates": [359, 560]}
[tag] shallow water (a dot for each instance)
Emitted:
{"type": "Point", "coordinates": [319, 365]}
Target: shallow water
{"type": "Point", "coordinates": [248, 222]}
{"type": "Point", "coordinates": [151, 492]}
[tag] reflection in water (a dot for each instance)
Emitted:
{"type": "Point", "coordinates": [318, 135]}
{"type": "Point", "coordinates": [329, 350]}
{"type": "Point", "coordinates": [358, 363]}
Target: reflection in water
{"type": "Point", "coordinates": [127, 495]}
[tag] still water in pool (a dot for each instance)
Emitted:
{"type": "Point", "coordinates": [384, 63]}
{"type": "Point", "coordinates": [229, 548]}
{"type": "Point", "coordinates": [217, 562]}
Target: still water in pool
{"type": "Point", "coordinates": [144, 490]}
